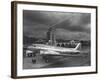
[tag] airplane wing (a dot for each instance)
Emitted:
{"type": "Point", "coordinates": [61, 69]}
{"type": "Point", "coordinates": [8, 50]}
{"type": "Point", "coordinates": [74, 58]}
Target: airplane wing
{"type": "Point", "coordinates": [54, 53]}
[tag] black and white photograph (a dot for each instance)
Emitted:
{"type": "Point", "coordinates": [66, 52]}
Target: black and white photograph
{"type": "Point", "coordinates": [56, 39]}
{"type": "Point", "coordinates": [53, 39]}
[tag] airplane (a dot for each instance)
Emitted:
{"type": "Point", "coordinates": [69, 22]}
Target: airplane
{"type": "Point", "coordinates": [54, 50]}
{"type": "Point", "coordinates": [49, 50]}
{"type": "Point", "coordinates": [60, 51]}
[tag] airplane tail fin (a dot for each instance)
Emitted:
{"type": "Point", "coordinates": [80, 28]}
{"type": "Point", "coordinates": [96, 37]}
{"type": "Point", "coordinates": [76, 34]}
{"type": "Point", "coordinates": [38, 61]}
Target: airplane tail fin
{"type": "Point", "coordinates": [78, 47]}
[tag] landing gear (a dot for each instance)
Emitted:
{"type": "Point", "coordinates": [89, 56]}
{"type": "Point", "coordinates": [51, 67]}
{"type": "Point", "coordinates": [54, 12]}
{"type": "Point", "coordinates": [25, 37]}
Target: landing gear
{"type": "Point", "coordinates": [33, 61]}
{"type": "Point", "coordinates": [77, 53]}
{"type": "Point", "coordinates": [46, 59]}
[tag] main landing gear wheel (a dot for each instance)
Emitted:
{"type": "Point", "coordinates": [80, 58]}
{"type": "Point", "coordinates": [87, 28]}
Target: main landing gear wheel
{"type": "Point", "coordinates": [46, 61]}
{"type": "Point", "coordinates": [33, 61]}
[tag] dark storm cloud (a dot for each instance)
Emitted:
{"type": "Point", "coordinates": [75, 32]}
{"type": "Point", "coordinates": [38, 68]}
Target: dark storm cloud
{"type": "Point", "coordinates": [62, 33]}
{"type": "Point", "coordinates": [34, 16]}
{"type": "Point", "coordinates": [36, 23]}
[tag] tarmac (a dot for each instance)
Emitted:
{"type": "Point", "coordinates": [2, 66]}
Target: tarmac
{"type": "Point", "coordinates": [82, 59]}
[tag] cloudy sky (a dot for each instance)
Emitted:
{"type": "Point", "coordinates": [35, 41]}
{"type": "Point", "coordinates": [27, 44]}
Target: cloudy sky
{"type": "Point", "coordinates": [68, 25]}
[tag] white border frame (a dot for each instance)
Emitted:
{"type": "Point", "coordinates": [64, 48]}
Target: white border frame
{"type": "Point", "coordinates": [35, 72]}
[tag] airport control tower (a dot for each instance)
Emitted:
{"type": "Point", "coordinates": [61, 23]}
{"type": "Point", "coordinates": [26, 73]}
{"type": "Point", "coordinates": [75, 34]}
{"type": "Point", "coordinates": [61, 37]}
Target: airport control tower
{"type": "Point", "coordinates": [51, 36]}
{"type": "Point", "coordinates": [51, 33]}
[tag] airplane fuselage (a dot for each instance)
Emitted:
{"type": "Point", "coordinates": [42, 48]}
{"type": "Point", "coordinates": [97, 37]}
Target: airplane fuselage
{"type": "Point", "coordinates": [51, 49]}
